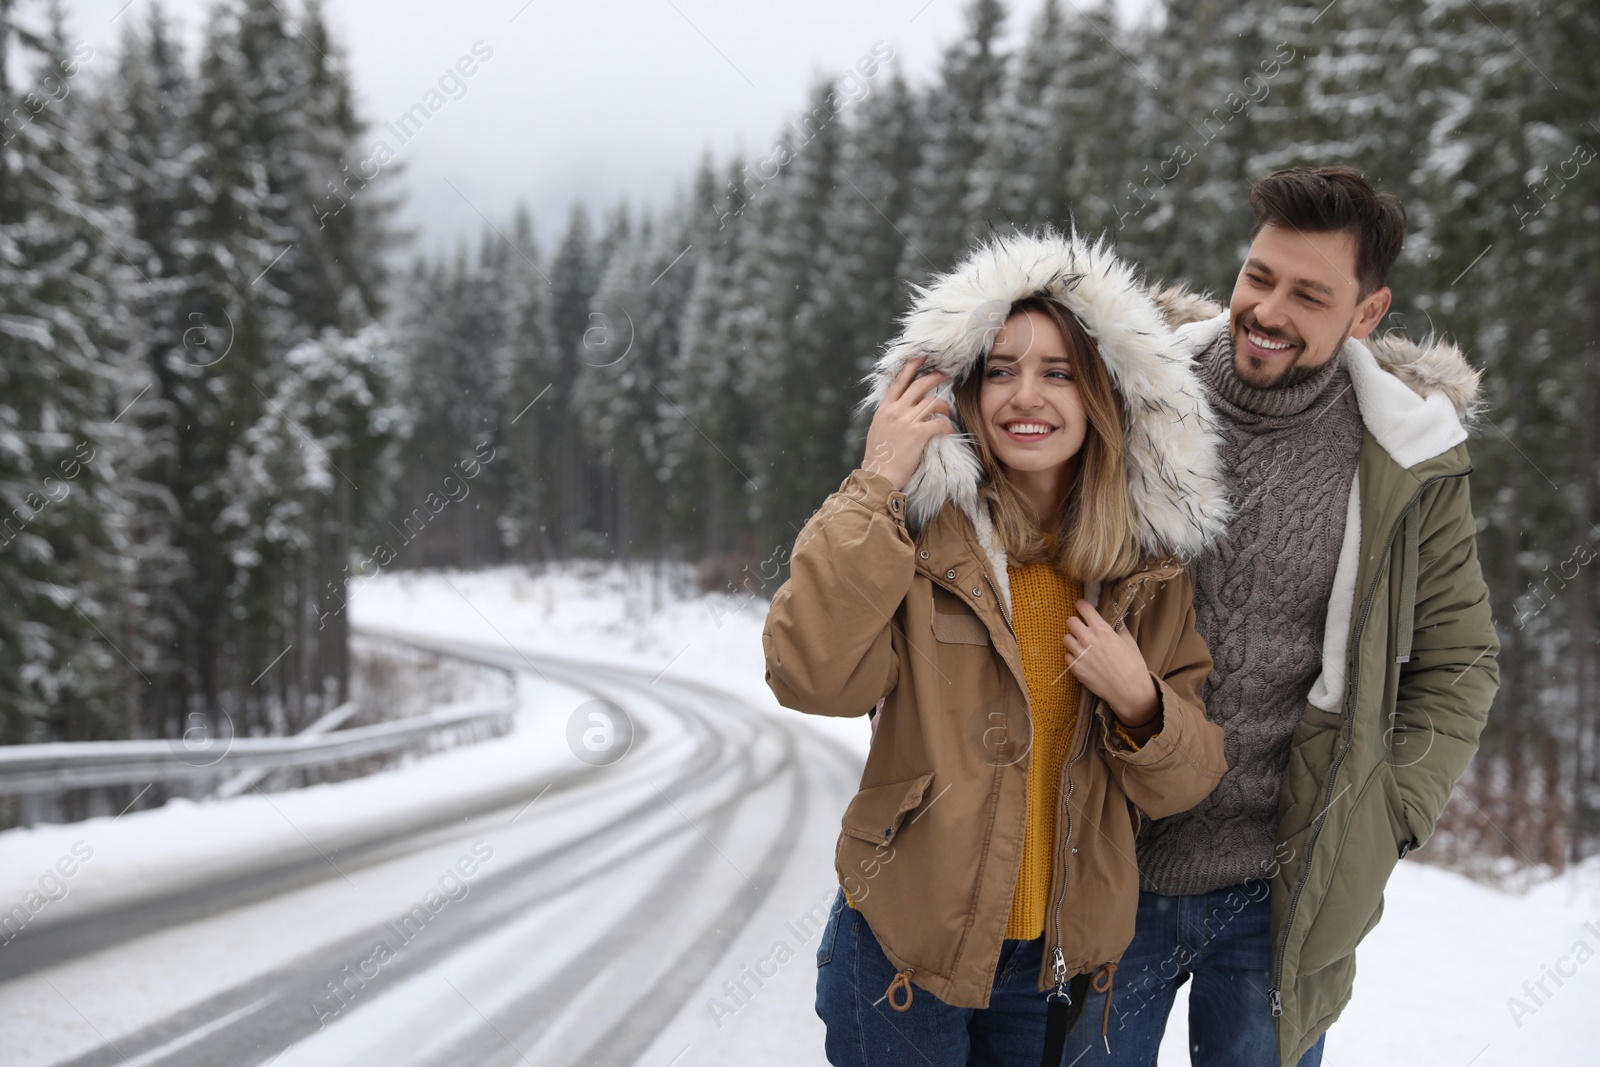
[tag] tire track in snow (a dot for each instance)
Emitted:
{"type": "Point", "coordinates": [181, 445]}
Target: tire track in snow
{"type": "Point", "coordinates": [282, 1015]}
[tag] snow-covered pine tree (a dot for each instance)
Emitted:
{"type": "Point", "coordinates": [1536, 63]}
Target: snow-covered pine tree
{"type": "Point", "coordinates": [1355, 94]}
{"type": "Point", "coordinates": [1570, 235]}
{"type": "Point", "coordinates": [336, 287]}
{"type": "Point", "coordinates": [1101, 107]}
{"type": "Point", "coordinates": [713, 399]}
{"type": "Point", "coordinates": [798, 436]}
{"type": "Point", "coordinates": [574, 277]}
{"type": "Point", "coordinates": [233, 233]}
{"type": "Point", "coordinates": [64, 377]}
{"type": "Point", "coordinates": [1067, 132]}
{"type": "Point", "coordinates": [345, 213]}
{"type": "Point", "coordinates": [1020, 165]}
{"type": "Point", "coordinates": [1185, 212]}
{"type": "Point", "coordinates": [329, 430]}
{"type": "Point", "coordinates": [853, 304]}
{"type": "Point", "coordinates": [141, 150]}
{"type": "Point", "coordinates": [527, 366]}
{"type": "Point", "coordinates": [956, 109]}
{"type": "Point", "coordinates": [1497, 169]}
{"type": "Point", "coordinates": [626, 415]}
{"type": "Point", "coordinates": [453, 335]}
{"type": "Point", "coordinates": [225, 366]}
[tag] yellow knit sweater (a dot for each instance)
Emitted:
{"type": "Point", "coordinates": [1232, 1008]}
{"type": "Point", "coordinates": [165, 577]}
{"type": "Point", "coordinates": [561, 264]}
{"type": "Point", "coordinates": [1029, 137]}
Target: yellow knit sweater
{"type": "Point", "coordinates": [1042, 600]}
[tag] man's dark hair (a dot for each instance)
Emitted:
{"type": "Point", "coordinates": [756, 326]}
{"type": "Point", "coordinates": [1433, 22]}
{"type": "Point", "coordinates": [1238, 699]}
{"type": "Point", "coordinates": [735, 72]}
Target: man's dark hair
{"type": "Point", "coordinates": [1324, 199]}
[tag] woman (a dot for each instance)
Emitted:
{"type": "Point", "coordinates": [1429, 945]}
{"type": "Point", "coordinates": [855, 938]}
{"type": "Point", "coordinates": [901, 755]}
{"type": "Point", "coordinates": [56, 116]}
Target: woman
{"type": "Point", "coordinates": [1013, 601]}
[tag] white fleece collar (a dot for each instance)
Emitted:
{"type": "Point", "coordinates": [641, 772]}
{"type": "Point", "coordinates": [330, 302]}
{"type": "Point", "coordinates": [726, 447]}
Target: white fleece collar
{"type": "Point", "coordinates": [1327, 692]}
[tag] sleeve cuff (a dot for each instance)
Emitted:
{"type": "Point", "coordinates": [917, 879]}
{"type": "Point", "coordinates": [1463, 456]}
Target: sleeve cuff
{"type": "Point", "coordinates": [1159, 744]}
{"type": "Point", "coordinates": [1129, 742]}
{"type": "Point", "coordinates": [876, 492]}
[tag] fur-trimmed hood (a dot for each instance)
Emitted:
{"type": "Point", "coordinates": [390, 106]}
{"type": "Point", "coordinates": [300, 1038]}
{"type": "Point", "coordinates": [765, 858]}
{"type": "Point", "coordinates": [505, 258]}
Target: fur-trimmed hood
{"type": "Point", "coordinates": [1172, 459]}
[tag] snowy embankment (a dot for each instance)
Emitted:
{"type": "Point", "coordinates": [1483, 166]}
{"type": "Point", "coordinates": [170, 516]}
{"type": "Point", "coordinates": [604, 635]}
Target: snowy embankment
{"type": "Point", "coordinates": [1456, 973]}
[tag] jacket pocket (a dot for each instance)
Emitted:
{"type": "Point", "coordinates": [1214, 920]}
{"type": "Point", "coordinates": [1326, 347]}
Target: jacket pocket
{"type": "Point", "coordinates": [875, 814]}
{"type": "Point", "coordinates": [954, 622]}
{"type": "Point", "coordinates": [1352, 903]}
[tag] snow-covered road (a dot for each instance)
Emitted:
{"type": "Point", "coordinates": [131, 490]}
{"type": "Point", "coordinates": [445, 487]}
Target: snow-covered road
{"type": "Point", "coordinates": [569, 918]}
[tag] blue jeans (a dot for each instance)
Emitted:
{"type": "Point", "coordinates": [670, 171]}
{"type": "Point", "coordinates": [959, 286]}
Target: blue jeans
{"type": "Point", "coordinates": [1223, 940]}
{"type": "Point", "coordinates": [863, 1031]}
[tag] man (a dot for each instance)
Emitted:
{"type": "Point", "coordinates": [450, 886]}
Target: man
{"type": "Point", "coordinates": [1355, 658]}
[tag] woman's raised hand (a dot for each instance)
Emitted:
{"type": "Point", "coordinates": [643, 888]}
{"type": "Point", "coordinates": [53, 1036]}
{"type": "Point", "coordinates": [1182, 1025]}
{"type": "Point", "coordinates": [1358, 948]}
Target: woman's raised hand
{"type": "Point", "coordinates": [905, 422]}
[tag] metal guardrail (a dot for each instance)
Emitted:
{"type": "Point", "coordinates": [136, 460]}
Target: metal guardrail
{"type": "Point", "coordinates": [59, 765]}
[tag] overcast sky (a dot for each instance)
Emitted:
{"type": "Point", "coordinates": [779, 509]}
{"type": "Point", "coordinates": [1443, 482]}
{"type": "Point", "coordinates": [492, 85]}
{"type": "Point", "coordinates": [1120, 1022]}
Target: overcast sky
{"type": "Point", "coordinates": [595, 101]}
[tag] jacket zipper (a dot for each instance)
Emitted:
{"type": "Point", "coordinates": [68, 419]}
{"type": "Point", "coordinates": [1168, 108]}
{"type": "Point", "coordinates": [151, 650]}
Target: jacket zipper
{"type": "Point", "coordinates": [1000, 603]}
{"type": "Point", "coordinates": [1058, 960]}
{"type": "Point", "coordinates": [1275, 995]}
{"type": "Point", "coordinates": [1058, 963]}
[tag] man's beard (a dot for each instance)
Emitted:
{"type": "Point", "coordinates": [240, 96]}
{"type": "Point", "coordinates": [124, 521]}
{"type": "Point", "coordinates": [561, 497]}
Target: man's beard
{"type": "Point", "coordinates": [1292, 375]}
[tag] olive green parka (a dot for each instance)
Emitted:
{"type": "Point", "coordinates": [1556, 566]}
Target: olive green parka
{"type": "Point", "coordinates": [1409, 671]}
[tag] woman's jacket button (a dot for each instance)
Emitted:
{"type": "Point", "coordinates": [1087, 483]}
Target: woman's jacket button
{"type": "Point", "coordinates": [977, 591]}
{"type": "Point", "coordinates": [950, 574]}
{"type": "Point", "coordinates": [923, 554]}
{"type": "Point", "coordinates": [894, 504]}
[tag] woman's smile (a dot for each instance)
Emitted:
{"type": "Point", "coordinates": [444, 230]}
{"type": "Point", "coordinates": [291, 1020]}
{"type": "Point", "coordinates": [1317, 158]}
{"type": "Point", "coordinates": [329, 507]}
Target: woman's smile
{"type": "Point", "coordinates": [1027, 431]}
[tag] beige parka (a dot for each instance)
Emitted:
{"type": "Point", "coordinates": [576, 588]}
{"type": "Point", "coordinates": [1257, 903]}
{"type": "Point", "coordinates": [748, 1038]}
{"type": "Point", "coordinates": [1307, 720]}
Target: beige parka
{"type": "Point", "coordinates": [904, 597]}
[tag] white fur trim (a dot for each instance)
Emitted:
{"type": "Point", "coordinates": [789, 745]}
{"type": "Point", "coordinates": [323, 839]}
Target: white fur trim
{"type": "Point", "coordinates": [1171, 447]}
{"type": "Point", "coordinates": [1327, 692]}
{"type": "Point", "coordinates": [983, 525]}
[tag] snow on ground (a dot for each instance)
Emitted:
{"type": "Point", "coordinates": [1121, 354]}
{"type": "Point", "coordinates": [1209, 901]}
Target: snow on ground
{"type": "Point", "coordinates": [602, 615]}
{"type": "Point", "coordinates": [1455, 974]}
{"type": "Point", "coordinates": [1440, 981]}
{"type": "Point", "coordinates": [632, 616]}
{"type": "Point", "coordinates": [1458, 973]}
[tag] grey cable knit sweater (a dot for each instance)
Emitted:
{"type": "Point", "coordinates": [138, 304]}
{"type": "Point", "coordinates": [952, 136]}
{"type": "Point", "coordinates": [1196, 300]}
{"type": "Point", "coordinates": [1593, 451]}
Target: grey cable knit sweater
{"type": "Point", "coordinates": [1261, 598]}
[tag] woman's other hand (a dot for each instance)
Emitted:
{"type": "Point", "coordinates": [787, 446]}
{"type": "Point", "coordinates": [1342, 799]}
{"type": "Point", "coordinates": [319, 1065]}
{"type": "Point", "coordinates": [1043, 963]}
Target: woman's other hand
{"type": "Point", "coordinates": [1109, 662]}
{"type": "Point", "coordinates": [905, 422]}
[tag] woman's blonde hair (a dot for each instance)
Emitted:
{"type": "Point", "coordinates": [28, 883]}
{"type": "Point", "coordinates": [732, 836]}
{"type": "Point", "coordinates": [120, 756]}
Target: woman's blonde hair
{"type": "Point", "coordinates": [1096, 534]}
